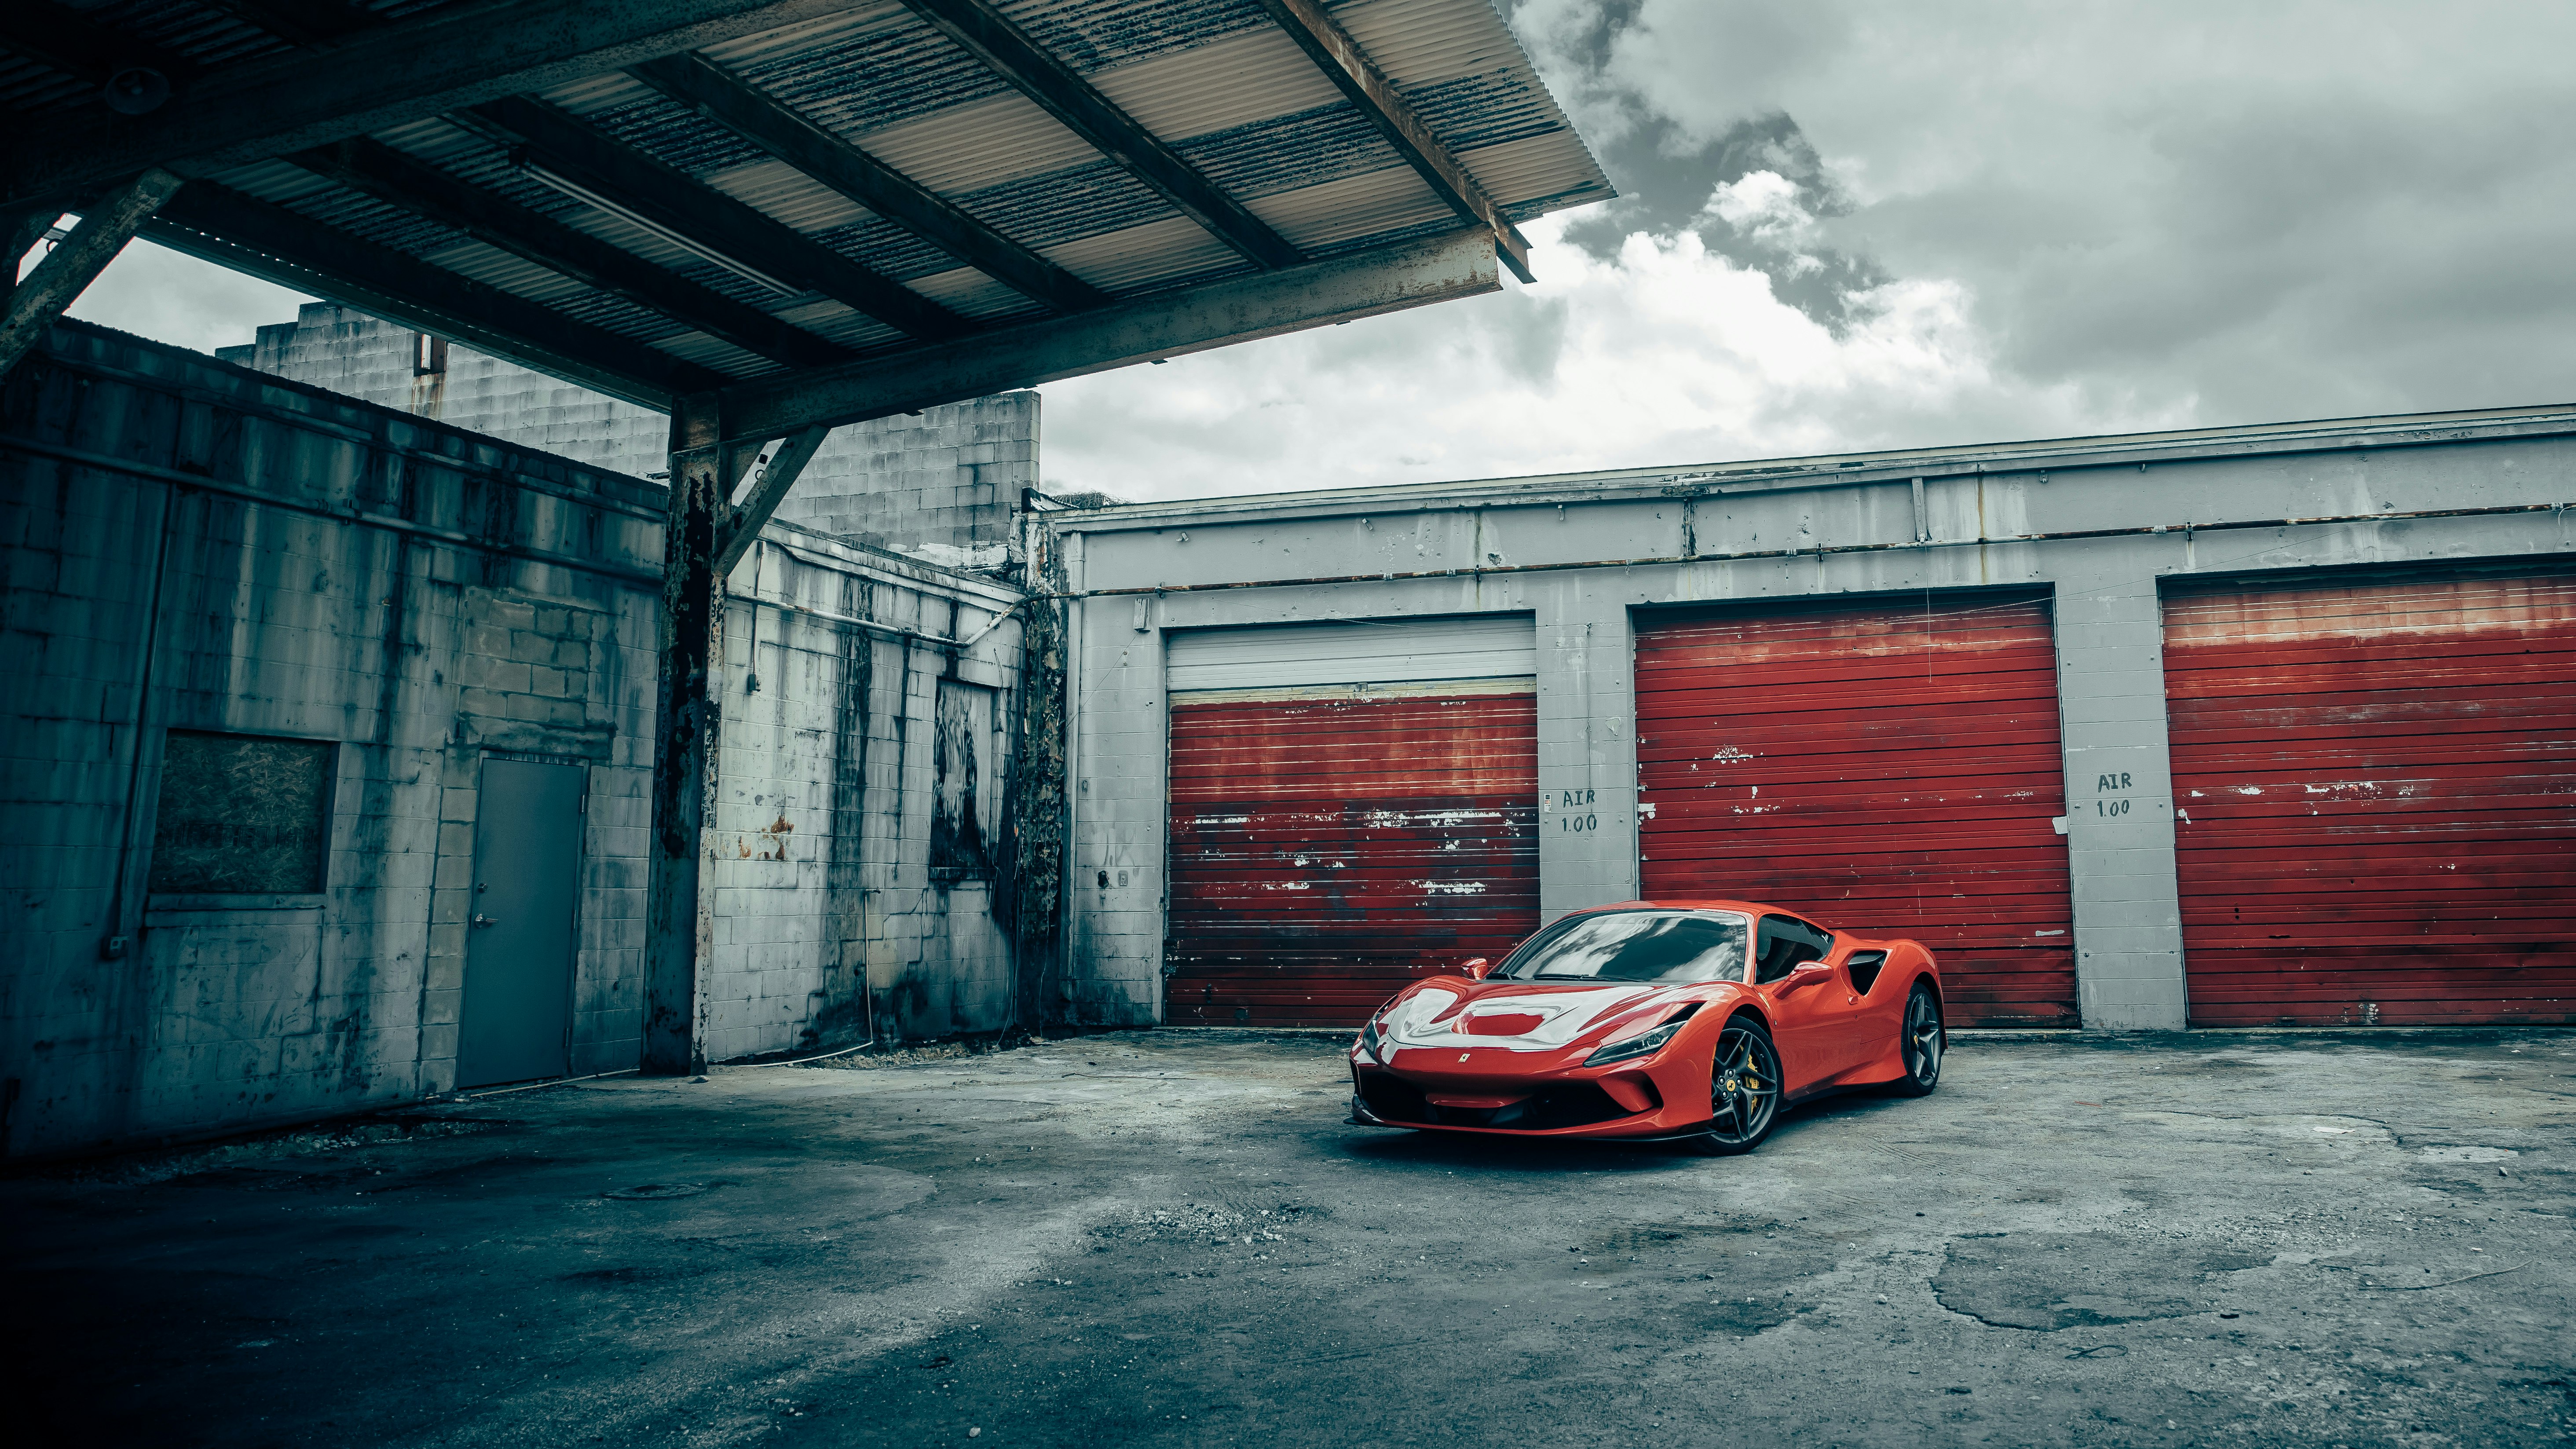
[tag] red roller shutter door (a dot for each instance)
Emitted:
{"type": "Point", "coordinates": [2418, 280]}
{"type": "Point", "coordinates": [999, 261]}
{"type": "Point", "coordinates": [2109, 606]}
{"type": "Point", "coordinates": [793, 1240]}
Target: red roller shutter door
{"type": "Point", "coordinates": [1331, 841]}
{"type": "Point", "coordinates": [2375, 782]}
{"type": "Point", "coordinates": [1888, 767]}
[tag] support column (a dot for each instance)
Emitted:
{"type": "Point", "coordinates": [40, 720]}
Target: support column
{"type": "Point", "coordinates": [705, 536]}
{"type": "Point", "coordinates": [1587, 748]}
{"type": "Point", "coordinates": [2119, 794]}
{"type": "Point", "coordinates": [680, 900]}
{"type": "Point", "coordinates": [69, 268]}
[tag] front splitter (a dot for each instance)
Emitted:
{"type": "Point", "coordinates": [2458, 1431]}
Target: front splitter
{"type": "Point", "coordinates": [1361, 1116]}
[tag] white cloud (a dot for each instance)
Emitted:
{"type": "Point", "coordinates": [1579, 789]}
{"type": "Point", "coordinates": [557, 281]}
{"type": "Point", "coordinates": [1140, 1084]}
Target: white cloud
{"type": "Point", "coordinates": [1665, 354]}
{"type": "Point", "coordinates": [2246, 212]}
{"type": "Point", "coordinates": [1764, 204]}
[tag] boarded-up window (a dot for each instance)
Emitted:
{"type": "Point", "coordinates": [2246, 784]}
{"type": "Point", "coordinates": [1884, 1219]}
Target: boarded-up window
{"type": "Point", "coordinates": [960, 832]}
{"type": "Point", "coordinates": [241, 815]}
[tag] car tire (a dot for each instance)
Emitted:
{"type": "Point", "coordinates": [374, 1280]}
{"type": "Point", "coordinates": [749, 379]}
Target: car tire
{"type": "Point", "coordinates": [1921, 1042]}
{"type": "Point", "coordinates": [1744, 1090]}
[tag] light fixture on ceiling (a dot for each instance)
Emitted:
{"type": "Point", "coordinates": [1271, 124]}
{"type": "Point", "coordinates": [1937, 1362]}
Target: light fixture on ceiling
{"type": "Point", "coordinates": [557, 181]}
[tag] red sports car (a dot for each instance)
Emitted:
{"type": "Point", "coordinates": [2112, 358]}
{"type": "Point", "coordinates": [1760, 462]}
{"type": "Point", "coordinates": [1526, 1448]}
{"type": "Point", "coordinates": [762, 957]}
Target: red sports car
{"type": "Point", "coordinates": [1689, 1021]}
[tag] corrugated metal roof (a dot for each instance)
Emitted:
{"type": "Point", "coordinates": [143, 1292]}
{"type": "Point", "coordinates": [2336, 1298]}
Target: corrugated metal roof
{"type": "Point", "coordinates": [1216, 80]}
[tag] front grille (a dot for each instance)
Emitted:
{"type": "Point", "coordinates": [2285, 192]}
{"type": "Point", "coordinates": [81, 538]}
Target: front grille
{"type": "Point", "coordinates": [1569, 1104]}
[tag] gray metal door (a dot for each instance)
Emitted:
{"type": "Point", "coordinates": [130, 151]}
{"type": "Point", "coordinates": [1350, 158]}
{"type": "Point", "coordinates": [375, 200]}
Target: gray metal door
{"type": "Point", "coordinates": [519, 949]}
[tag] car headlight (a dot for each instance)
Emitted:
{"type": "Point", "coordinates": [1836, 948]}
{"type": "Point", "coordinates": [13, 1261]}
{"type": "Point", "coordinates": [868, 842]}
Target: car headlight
{"type": "Point", "coordinates": [1643, 1044]}
{"type": "Point", "coordinates": [1369, 1041]}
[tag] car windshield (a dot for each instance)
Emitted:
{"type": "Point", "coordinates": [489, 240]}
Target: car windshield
{"type": "Point", "coordinates": [1633, 946]}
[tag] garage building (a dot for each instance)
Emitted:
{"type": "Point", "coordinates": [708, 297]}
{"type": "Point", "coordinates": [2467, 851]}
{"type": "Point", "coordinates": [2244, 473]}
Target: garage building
{"type": "Point", "coordinates": [2253, 726]}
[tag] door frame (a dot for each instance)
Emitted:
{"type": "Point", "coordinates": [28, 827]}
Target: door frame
{"type": "Point", "coordinates": [581, 857]}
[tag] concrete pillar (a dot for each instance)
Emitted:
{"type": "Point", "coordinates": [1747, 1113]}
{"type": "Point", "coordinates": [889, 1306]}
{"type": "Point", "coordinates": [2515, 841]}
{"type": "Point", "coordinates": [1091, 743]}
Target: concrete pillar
{"type": "Point", "coordinates": [2119, 794]}
{"type": "Point", "coordinates": [1587, 749]}
{"type": "Point", "coordinates": [680, 905]}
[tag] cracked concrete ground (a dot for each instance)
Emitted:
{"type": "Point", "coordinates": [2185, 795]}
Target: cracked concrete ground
{"type": "Point", "coordinates": [1171, 1238]}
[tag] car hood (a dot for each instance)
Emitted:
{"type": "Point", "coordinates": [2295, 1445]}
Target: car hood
{"type": "Point", "coordinates": [1523, 1016]}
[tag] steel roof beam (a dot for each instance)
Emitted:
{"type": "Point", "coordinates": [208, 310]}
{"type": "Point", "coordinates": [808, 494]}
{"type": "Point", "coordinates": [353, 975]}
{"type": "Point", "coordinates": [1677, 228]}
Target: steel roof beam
{"type": "Point", "coordinates": [76, 261]}
{"type": "Point", "coordinates": [1215, 314]}
{"type": "Point", "coordinates": [982, 31]}
{"type": "Point", "coordinates": [681, 204]}
{"type": "Point", "coordinates": [727, 100]}
{"type": "Point", "coordinates": [447, 59]}
{"type": "Point", "coordinates": [739, 524]}
{"type": "Point", "coordinates": [21, 230]}
{"type": "Point", "coordinates": [1347, 66]}
{"type": "Point", "coordinates": [229, 229]}
{"type": "Point", "coordinates": [415, 186]}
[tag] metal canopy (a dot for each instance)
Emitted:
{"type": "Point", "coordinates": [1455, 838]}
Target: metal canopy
{"type": "Point", "coordinates": [770, 219]}
{"type": "Point", "coordinates": [663, 198]}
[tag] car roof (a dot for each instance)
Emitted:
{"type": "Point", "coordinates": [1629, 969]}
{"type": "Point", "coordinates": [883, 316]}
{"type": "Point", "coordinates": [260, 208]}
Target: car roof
{"type": "Point", "coordinates": [1695, 903]}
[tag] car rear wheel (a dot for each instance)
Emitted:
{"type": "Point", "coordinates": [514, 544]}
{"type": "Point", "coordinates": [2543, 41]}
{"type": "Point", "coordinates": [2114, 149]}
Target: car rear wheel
{"type": "Point", "coordinates": [1743, 1090]}
{"type": "Point", "coordinates": [1921, 1042]}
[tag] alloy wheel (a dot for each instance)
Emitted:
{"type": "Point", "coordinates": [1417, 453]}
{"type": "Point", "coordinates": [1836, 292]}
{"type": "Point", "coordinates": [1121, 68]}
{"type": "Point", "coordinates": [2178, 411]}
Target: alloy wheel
{"type": "Point", "coordinates": [1924, 1041]}
{"type": "Point", "coordinates": [1744, 1088]}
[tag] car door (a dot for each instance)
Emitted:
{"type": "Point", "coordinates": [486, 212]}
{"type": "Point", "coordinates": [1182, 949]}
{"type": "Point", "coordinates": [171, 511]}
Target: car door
{"type": "Point", "coordinates": [1813, 1008]}
{"type": "Point", "coordinates": [1878, 1004]}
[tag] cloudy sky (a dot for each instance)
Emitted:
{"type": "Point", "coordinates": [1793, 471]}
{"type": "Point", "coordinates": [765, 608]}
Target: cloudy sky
{"type": "Point", "coordinates": [1879, 225]}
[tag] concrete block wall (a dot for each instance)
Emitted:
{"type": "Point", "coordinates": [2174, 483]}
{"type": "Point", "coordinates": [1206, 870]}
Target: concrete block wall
{"type": "Point", "coordinates": [923, 949]}
{"type": "Point", "coordinates": [2099, 523]}
{"type": "Point", "coordinates": [196, 518]}
{"type": "Point", "coordinates": [608, 1002]}
{"type": "Point", "coordinates": [941, 485]}
{"type": "Point", "coordinates": [421, 599]}
{"type": "Point", "coordinates": [1116, 889]}
{"type": "Point", "coordinates": [359, 356]}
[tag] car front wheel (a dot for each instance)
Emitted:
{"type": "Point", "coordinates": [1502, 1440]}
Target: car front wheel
{"type": "Point", "coordinates": [1743, 1090]}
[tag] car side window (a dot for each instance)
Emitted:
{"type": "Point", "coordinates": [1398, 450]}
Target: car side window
{"type": "Point", "coordinates": [1783, 943]}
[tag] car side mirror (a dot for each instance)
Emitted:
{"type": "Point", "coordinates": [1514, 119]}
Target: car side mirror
{"type": "Point", "coordinates": [1476, 968]}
